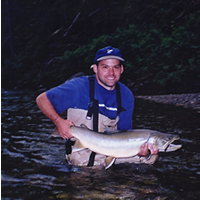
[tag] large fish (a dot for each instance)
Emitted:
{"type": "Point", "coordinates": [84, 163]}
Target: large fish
{"type": "Point", "coordinates": [121, 144]}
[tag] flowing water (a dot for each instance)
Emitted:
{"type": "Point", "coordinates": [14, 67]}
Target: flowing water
{"type": "Point", "coordinates": [34, 167]}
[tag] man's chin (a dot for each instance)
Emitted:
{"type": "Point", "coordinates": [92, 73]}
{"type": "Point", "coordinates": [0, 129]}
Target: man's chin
{"type": "Point", "coordinates": [110, 85]}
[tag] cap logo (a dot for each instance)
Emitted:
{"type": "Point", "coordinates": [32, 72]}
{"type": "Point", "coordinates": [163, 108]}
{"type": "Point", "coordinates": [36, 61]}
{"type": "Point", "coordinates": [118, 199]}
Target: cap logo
{"type": "Point", "coordinates": [109, 50]}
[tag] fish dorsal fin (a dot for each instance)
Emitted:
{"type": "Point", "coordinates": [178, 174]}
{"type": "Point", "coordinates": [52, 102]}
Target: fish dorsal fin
{"type": "Point", "coordinates": [109, 161]}
{"type": "Point", "coordinates": [78, 146]}
{"type": "Point", "coordinates": [84, 126]}
{"type": "Point", "coordinates": [109, 130]}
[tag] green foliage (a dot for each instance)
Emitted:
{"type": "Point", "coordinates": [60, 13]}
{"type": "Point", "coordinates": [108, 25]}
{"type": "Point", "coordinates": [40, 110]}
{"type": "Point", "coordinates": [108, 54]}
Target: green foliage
{"type": "Point", "coordinates": [172, 57]}
{"type": "Point", "coordinates": [157, 38]}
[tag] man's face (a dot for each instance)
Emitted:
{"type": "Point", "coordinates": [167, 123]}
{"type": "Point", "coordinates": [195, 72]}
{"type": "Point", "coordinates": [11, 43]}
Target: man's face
{"type": "Point", "coordinates": [108, 73]}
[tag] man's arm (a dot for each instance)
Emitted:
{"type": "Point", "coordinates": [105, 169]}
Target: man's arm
{"type": "Point", "coordinates": [46, 107]}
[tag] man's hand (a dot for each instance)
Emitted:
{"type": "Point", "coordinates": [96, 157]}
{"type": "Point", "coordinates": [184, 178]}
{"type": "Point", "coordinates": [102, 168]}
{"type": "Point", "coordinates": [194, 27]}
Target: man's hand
{"type": "Point", "coordinates": [144, 151]}
{"type": "Point", "coordinates": [63, 127]}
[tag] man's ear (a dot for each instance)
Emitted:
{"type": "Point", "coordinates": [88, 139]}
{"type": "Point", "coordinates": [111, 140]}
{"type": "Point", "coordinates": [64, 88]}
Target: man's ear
{"type": "Point", "coordinates": [122, 69]}
{"type": "Point", "coordinates": [94, 68]}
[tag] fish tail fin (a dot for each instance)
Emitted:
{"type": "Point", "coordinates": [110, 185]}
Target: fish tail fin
{"type": "Point", "coordinates": [55, 133]}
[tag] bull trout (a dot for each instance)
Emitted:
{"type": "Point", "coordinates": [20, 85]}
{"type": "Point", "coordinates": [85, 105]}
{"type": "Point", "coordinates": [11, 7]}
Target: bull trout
{"type": "Point", "coordinates": [121, 144]}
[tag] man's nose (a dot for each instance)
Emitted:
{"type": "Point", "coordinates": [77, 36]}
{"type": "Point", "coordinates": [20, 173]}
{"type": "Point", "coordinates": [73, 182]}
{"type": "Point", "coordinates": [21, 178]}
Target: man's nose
{"type": "Point", "coordinates": [111, 70]}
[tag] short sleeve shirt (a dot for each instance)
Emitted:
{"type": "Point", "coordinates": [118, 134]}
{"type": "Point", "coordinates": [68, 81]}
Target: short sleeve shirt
{"type": "Point", "coordinates": [74, 93]}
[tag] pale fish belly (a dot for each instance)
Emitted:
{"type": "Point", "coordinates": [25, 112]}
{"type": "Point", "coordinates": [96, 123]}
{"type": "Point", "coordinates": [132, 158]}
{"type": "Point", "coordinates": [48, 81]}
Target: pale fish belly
{"type": "Point", "coordinates": [117, 149]}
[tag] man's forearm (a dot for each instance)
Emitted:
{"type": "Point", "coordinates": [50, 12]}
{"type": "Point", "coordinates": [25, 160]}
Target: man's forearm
{"type": "Point", "coordinates": [46, 107]}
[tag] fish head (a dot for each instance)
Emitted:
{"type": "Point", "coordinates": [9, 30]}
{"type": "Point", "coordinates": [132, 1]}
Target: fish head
{"type": "Point", "coordinates": [163, 141]}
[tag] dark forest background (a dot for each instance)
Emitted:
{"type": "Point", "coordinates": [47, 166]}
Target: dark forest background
{"type": "Point", "coordinates": [44, 42]}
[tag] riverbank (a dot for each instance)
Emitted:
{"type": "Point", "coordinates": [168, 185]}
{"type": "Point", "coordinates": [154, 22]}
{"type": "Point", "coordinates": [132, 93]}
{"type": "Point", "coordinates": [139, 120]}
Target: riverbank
{"type": "Point", "coordinates": [186, 100]}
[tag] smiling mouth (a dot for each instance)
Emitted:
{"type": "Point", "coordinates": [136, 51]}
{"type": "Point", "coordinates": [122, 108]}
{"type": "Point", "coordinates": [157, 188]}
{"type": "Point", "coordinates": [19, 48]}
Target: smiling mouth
{"type": "Point", "coordinates": [110, 78]}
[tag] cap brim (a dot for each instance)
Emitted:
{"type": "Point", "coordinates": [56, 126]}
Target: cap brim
{"type": "Point", "coordinates": [110, 57]}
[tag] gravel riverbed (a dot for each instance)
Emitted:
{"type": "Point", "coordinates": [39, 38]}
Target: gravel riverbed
{"type": "Point", "coordinates": [186, 100]}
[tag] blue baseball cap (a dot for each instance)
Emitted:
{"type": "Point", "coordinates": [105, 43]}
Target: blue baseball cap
{"type": "Point", "coordinates": [108, 52]}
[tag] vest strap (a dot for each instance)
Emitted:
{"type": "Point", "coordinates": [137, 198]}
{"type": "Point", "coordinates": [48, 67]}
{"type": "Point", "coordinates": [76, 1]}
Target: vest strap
{"type": "Point", "coordinates": [119, 99]}
{"type": "Point", "coordinates": [93, 109]}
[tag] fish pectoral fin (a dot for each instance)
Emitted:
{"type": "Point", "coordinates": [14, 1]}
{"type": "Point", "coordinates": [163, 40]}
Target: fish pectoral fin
{"type": "Point", "coordinates": [110, 130]}
{"type": "Point", "coordinates": [109, 161]}
{"type": "Point", "coordinates": [78, 146]}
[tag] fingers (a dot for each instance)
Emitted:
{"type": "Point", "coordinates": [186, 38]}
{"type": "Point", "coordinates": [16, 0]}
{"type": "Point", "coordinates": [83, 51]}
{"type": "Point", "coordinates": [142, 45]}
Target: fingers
{"type": "Point", "coordinates": [64, 128]}
{"type": "Point", "coordinates": [71, 123]}
{"type": "Point", "coordinates": [152, 150]}
{"type": "Point", "coordinates": [67, 135]}
{"type": "Point", "coordinates": [144, 150]}
{"type": "Point", "coordinates": [64, 135]}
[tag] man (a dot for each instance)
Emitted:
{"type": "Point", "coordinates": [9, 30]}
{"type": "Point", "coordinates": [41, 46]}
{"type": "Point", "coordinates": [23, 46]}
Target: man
{"type": "Point", "coordinates": [84, 96]}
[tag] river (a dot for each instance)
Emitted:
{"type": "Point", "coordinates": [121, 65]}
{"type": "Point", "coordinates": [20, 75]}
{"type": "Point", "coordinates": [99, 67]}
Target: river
{"type": "Point", "coordinates": [33, 163]}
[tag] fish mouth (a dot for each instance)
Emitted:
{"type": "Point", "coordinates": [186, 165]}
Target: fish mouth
{"type": "Point", "coordinates": [168, 147]}
{"type": "Point", "coordinates": [173, 147]}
